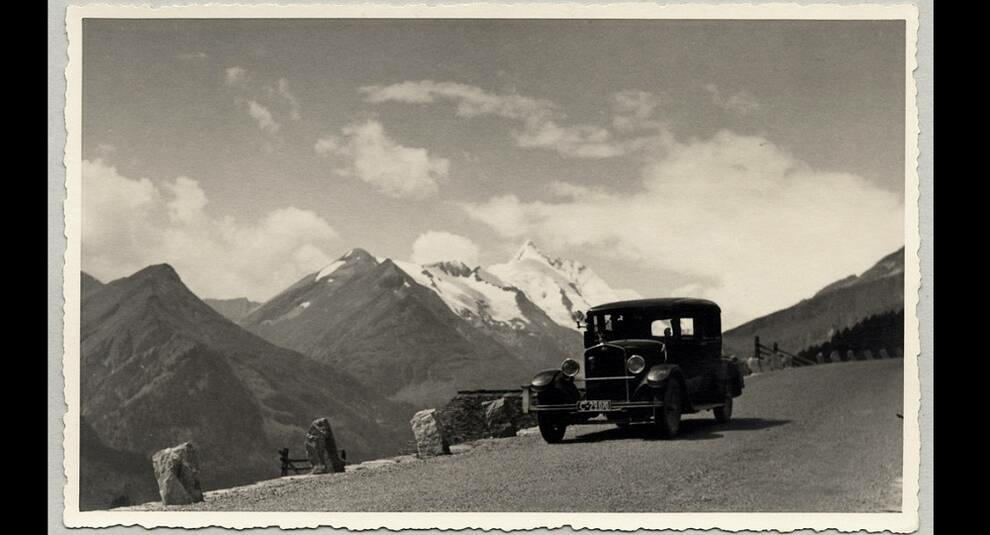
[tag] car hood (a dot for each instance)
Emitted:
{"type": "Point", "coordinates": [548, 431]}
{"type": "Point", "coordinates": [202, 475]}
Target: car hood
{"type": "Point", "coordinates": [636, 344]}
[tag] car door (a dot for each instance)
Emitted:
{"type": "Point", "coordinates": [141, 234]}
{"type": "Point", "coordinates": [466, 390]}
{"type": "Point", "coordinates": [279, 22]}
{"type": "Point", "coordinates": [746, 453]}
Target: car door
{"type": "Point", "coordinates": [699, 354]}
{"type": "Point", "coordinates": [708, 331]}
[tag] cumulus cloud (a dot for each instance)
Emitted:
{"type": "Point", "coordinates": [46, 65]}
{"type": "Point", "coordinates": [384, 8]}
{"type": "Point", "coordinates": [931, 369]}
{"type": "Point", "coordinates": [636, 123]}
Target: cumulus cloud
{"type": "Point", "coordinates": [267, 103]}
{"type": "Point", "coordinates": [281, 88]}
{"type": "Point", "coordinates": [186, 200]}
{"type": "Point", "coordinates": [263, 116]}
{"type": "Point", "coordinates": [234, 75]}
{"type": "Point", "coordinates": [541, 124]}
{"type": "Point", "coordinates": [366, 152]}
{"type": "Point", "coordinates": [740, 103]}
{"type": "Point", "coordinates": [105, 151]}
{"type": "Point", "coordinates": [437, 246]}
{"type": "Point", "coordinates": [129, 223]}
{"type": "Point", "coordinates": [635, 110]}
{"type": "Point", "coordinates": [754, 227]}
{"type": "Point", "coordinates": [471, 101]}
{"type": "Point", "coordinates": [579, 141]}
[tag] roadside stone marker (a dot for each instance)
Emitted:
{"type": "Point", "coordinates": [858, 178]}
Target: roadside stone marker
{"type": "Point", "coordinates": [500, 417]}
{"type": "Point", "coordinates": [321, 448]}
{"type": "Point", "coordinates": [430, 435]}
{"type": "Point", "coordinates": [868, 355]}
{"type": "Point", "coordinates": [850, 355]}
{"type": "Point", "coordinates": [819, 358]}
{"type": "Point", "coordinates": [834, 356]}
{"type": "Point", "coordinates": [883, 353]}
{"type": "Point", "coordinates": [177, 472]}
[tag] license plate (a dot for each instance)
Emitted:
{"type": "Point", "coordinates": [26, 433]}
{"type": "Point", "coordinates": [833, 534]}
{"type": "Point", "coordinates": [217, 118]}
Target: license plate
{"type": "Point", "coordinates": [595, 405]}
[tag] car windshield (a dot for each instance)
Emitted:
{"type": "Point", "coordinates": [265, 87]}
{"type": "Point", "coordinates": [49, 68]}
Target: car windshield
{"type": "Point", "coordinates": [619, 325]}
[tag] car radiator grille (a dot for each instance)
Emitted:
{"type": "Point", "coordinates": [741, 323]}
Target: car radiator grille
{"type": "Point", "coordinates": [605, 367]}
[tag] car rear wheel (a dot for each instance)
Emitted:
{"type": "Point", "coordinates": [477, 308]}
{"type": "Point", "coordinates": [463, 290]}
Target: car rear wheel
{"type": "Point", "coordinates": [551, 429]}
{"type": "Point", "coordinates": [667, 419]}
{"type": "Point", "coordinates": [724, 413]}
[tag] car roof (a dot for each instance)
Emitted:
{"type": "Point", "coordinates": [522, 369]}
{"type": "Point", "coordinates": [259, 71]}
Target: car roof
{"type": "Point", "coordinates": [664, 304]}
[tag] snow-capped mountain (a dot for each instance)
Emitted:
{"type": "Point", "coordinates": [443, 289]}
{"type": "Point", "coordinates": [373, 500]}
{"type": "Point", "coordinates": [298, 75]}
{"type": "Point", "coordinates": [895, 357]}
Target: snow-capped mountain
{"type": "Point", "coordinates": [469, 295]}
{"type": "Point", "coordinates": [562, 288]}
{"type": "Point", "coordinates": [422, 332]}
{"type": "Point", "coordinates": [414, 333]}
{"type": "Point", "coordinates": [501, 311]}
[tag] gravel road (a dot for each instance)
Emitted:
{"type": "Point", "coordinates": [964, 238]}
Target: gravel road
{"type": "Point", "coordinates": [816, 439]}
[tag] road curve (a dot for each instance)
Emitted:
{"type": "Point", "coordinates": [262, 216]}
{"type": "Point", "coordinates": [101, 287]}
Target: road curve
{"type": "Point", "coordinates": [816, 439]}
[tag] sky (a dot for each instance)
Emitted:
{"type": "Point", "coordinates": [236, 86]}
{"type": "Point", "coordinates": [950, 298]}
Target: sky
{"type": "Point", "coordinates": [749, 162]}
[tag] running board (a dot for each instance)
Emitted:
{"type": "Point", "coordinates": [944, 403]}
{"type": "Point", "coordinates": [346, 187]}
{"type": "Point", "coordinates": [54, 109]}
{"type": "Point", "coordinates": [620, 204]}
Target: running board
{"type": "Point", "coordinates": [706, 406]}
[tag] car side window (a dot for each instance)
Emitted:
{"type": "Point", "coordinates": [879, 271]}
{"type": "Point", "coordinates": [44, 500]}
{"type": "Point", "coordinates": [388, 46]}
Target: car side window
{"type": "Point", "coordinates": [687, 327]}
{"type": "Point", "coordinates": [700, 327]}
{"type": "Point", "coordinates": [660, 328]}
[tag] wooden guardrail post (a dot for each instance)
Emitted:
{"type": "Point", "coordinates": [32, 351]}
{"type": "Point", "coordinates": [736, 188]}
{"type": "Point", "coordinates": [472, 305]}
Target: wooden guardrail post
{"type": "Point", "coordinates": [770, 358]}
{"type": "Point", "coordinates": [296, 465]}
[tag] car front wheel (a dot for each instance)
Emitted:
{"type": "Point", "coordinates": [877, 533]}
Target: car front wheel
{"type": "Point", "coordinates": [552, 429]}
{"type": "Point", "coordinates": [668, 418]}
{"type": "Point", "coordinates": [724, 413]}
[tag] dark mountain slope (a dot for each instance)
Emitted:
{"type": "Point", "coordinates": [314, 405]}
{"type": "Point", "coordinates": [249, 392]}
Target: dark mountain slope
{"type": "Point", "coordinates": [90, 285]}
{"type": "Point", "coordinates": [839, 305]}
{"type": "Point", "coordinates": [881, 331]}
{"type": "Point", "coordinates": [160, 367]}
{"type": "Point", "coordinates": [233, 309]}
{"type": "Point", "coordinates": [113, 478]}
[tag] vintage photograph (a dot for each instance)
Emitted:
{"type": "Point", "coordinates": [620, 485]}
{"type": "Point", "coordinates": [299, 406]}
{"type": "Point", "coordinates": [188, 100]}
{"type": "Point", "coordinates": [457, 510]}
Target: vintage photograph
{"type": "Point", "coordinates": [334, 263]}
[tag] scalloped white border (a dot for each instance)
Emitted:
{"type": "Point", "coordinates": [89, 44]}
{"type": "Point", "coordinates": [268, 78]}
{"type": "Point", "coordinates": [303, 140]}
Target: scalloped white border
{"type": "Point", "coordinates": [905, 521]}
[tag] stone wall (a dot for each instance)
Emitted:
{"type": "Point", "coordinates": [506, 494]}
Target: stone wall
{"type": "Point", "coordinates": [464, 416]}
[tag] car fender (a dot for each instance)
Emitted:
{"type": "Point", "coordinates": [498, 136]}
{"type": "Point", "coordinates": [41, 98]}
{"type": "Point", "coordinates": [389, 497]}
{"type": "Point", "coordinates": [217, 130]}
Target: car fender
{"type": "Point", "coordinates": [661, 374]}
{"type": "Point", "coordinates": [736, 377]}
{"type": "Point", "coordinates": [730, 376]}
{"type": "Point", "coordinates": [544, 379]}
{"type": "Point", "coordinates": [552, 386]}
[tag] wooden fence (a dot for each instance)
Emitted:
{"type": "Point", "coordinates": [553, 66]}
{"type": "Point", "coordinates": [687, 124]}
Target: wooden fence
{"type": "Point", "coordinates": [762, 352]}
{"type": "Point", "coordinates": [772, 357]}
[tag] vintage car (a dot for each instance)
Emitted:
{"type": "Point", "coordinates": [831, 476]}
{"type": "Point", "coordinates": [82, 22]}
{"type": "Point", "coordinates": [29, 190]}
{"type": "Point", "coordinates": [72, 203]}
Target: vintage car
{"type": "Point", "coordinates": [645, 361]}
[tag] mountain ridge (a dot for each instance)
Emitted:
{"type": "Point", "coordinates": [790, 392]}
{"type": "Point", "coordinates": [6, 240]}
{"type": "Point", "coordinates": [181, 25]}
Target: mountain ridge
{"type": "Point", "coordinates": [159, 367]}
{"type": "Point", "coordinates": [234, 308]}
{"type": "Point", "coordinates": [564, 289]}
{"type": "Point", "coordinates": [410, 330]}
{"type": "Point", "coordinates": [837, 306]}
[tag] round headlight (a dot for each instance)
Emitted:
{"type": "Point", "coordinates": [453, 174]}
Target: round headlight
{"type": "Point", "coordinates": [635, 364]}
{"type": "Point", "coordinates": [570, 367]}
